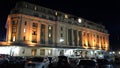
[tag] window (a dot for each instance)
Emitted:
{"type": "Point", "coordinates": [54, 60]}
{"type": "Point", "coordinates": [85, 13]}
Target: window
{"type": "Point", "coordinates": [24, 38]}
{"type": "Point", "coordinates": [34, 33]}
{"type": "Point", "coordinates": [42, 34]}
{"type": "Point", "coordinates": [49, 27]}
{"type": "Point", "coordinates": [42, 51]}
{"type": "Point", "coordinates": [66, 16]}
{"type": "Point", "coordinates": [56, 13]}
{"type": "Point", "coordinates": [24, 30]}
{"type": "Point", "coordinates": [61, 28]}
{"type": "Point", "coordinates": [13, 30]}
{"type": "Point", "coordinates": [35, 8]}
{"type": "Point", "coordinates": [49, 52]}
{"type": "Point", "coordinates": [61, 35]}
{"type": "Point", "coordinates": [25, 23]}
{"type": "Point", "coordinates": [34, 24]}
{"type": "Point", "coordinates": [33, 52]}
{"type": "Point", "coordinates": [49, 35]}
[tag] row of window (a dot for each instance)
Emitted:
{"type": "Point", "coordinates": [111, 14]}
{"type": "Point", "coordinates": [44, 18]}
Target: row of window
{"type": "Point", "coordinates": [42, 52]}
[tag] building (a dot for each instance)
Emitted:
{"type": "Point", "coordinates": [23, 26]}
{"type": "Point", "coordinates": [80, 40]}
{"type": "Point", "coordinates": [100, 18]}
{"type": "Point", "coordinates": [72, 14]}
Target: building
{"type": "Point", "coordinates": [33, 30]}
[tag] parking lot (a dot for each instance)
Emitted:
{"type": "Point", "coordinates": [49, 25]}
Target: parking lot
{"type": "Point", "coordinates": [54, 62]}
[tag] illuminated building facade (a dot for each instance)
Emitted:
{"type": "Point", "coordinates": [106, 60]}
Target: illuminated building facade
{"type": "Point", "coordinates": [33, 30]}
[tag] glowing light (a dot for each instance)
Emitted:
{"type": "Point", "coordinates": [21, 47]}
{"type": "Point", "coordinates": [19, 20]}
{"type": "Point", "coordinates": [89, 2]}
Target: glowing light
{"type": "Point", "coordinates": [66, 16]}
{"type": "Point", "coordinates": [119, 52]}
{"type": "Point", "coordinates": [61, 40]}
{"type": "Point", "coordinates": [79, 20]}
{"type": "Point", "coordinates": [49, 52]}
{"type": "Point", "coordinates": [113, 52]}
{"type": "Point", "coordinates": [110, 52]}
{"type": "Point", "coordinates": [13, 38]}
{"type": "Point", "coordinates": [49, 35]}
{"type": "Point", "coordinates": [56, 13]}
{"type": "Point", "coordinates": [49, 27]}
{"type": "Point", "coordinates": [35, 8]}
{"type": "Point", "coordinates": [24, 30]}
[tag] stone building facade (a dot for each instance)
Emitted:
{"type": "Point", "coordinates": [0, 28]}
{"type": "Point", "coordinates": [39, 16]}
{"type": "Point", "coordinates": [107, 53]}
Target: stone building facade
{"type": "Point", "coordinates": [38, 31]}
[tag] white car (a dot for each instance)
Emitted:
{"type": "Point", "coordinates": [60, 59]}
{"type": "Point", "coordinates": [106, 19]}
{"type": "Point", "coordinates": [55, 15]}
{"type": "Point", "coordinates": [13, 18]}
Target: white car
{"type": "Point", "coordinates": [37, 62]}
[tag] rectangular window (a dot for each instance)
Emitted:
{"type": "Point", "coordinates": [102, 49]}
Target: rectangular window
{"type": "Point", "coordinates": [42, 34]}
{"type": "Point", "coordinates": [61, 28]}
{"type": "Point", "coordinates": [24, 38]}
{"type": "Point", "coordinates": [61, 35]}
{"type": "Point", "coordinates": [34, 32]}
{"type": "Point", "coordinates": [35, 24]}
{"type": "Point", "coordinates": [42, 51]}
{"type": "Point", "coordinates": [14, 30]}
{"type": "Point", "coordinates": [49, 52]}
{"type": "Point", "coordinates": [25, 23]}
{"type": "Point", "coordinates": [50, 34]}
{"type": "Point", "coordinates": [33, 52]}
{"type": "Point", "coordinates": [70, 36]}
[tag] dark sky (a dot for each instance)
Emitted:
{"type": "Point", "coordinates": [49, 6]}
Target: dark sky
{"type": "Point", "coordinates": [99, 11]}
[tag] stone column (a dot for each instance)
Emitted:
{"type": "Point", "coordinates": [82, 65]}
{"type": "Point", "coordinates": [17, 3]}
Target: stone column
{"type": "Point", "coordinates": [77, 39]}
{"type": "Point", "coordinates": [53, 34]}
{"type": "Point", "coordinates": [86, 39]}
{"type": "Point", "coordinates": [46, 34]}
{"type": "Point", "coordinates": [30, 31]}
{"type": "Point", "coordinates": [38, 32]}
{"type": "Point", "coordinates": [72, 38]}
{"type": "Point", "coordinates": [90, 39]}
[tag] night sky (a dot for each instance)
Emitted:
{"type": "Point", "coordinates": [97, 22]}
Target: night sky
{"type": "Point", "coordinates": [102, 12]}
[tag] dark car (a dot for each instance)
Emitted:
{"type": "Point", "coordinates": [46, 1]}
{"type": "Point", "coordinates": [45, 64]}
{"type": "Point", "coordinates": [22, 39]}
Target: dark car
{"type": "Point", "coordinates": [87, 64]}
{"type": "Point", "coordinates": [63, 62]}
{"type": "Point", "coordinates": [104, 63]}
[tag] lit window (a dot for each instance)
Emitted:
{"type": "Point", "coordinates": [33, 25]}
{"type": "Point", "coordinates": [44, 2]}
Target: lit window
{"type": "Point", "coordinates": [61, 40]}
{"type": "Point", "coordinates": [24, 30]}
{"type": "Point", "coordinates": [13, 38]}
{"type": "Point", "coordinates": [79, 20]}
{"type": "Point", "coordinates": [49, 27]}
{"type": "Point", "coordinates": [66, 16]}
{"type": "Point", "coordinates": [35, 8]}
{"type": "Point", "coordinates": [49, 52]}
{"type": "Point", "coordinates": [56, 13]}
{"type": "Point", "coordinates": [113, 52]}
{"type": "Point", "coordinates": [49, 35]}
{"type": "Point", "coordinates": [119, 52]}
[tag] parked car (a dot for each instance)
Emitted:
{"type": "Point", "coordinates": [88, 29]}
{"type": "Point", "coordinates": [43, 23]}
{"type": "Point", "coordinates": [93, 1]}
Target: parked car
{"type": "Point", "coordinates": [63, 62]}
{"type": "Point", "coordinates": [104, 63]}
{"type": "Point", "coordinates": [37, 62]}
{"type": "Point", "coordinates": [4, 61]}
{"type": "Point", "coordinates": [87, 64]}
